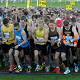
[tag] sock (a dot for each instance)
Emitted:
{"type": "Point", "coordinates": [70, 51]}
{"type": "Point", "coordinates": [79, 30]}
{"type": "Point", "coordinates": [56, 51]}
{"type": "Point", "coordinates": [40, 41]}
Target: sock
{"type": "Point", "coordinates": [57, 67]}
{"type": "Point", "coordinates": [67, 67]}
{"type": "Point", "coordinates": [46, 67]}
{"type": "Point", "coordinates": [37, 65]}
{"type": "Point", "coordinates": [6, 61]}
{"type": "Point", "coordinates": [19, 66]}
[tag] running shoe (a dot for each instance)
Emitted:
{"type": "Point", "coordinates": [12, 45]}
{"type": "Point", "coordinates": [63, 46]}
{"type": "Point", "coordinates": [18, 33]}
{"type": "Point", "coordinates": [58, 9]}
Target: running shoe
{"type": "Point", "coordinates": [57, 70]}
{"type": "Point", "coordinates": [18, 70]}
{"type": "Point", "coordinates": [10, 70]}
{"type": "Point", "coordinates": [42, 67]}
{"type": "Point", "coordinates": [76, 69]}
{"type": "Point", "coordinates": [67, 71]}
{"type": "Point", "coordinates": [14, 67]}
{"type": "Point", "coordinates": [47, 69]}
{"type": "Point", "coordinates": [37, 68]}
{"type": "Point", "coordinates": [28, 70]}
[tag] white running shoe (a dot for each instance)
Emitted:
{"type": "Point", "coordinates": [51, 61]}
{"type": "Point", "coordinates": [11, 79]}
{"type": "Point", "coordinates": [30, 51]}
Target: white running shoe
{"type": "Point", "coordinates": [76, 69]}
{"type": "Point", "coordinates": [37, 68]}
{"type": "Point", "coordinates": [67, 71]}
{"type": "Point", "coordinates": [47, 69]}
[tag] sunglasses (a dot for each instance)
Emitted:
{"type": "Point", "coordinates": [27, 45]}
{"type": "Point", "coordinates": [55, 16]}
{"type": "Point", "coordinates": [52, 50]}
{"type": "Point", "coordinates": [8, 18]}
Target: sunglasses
{"type": "Point", "coordinates": [16, 29]}
{"type": "Point", "coordinates": [9, 19]}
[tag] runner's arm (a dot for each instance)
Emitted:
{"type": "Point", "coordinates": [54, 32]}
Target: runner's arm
{"type": "Point", "coordinates": [2, 35]}
{"type": "Point", "coordinates": [24, 38]}
{"type": "Point", "coordinates": [79, 29]}
{"type": "Point", "coordinates": [13, 38]}
{"type": "Point", "coordinates": [75, 33]}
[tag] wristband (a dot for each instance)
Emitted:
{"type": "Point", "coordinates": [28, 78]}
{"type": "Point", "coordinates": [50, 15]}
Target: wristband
{"type": "Point", "coordinates": [71, 40]}
{"type": "Point", "coordinates": [19, 45]}
{"type": "Point", "coordinates": [59, 39]}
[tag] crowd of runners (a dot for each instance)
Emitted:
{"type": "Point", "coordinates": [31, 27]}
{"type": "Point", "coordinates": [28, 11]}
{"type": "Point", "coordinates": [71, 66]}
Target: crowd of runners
{"type": "Point", "coordinates": [46, 37]}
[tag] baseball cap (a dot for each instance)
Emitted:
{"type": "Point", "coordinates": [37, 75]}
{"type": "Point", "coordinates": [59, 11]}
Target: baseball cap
{"type": "Point", "coordinates": [58, 23]}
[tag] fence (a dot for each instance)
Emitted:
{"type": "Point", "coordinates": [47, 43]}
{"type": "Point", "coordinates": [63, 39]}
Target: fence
{"type": "Point", "coordinates": [17, 1]}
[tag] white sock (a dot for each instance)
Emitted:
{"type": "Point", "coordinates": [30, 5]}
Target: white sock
{"type": "Point", "coordinates": [46, 67]}
{"type": "Point", "coordinates": [57, 67]}
{"type": "Point", "coordinates": [43, 63]}
{"type": "Point", "coordinates": [67, 67]}
{"type": "Point", "coordinates": [29, 66]}
{"type": "Point", "coordinates": [37, 65]}
{"type": "Point", "coordinates": [19, 66]}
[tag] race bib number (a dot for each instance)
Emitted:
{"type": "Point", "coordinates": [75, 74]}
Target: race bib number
{"type": "Point", "coordinates": [39, 39]}
{"type": "Point", "coordinates": [7, 35]}
{"type": "Point", "coordinates": [68, 38]}
{"type": "Point", "coordinates": [70, 44]}
{"type": "Point", "coordinates": [54, 38]}
{"type": "Point", "coordinates": [18, 38]}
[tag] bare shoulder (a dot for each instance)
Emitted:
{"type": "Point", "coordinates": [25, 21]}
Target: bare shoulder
{"type": "Point", "coordinates": [46, 31]}
{"type": "Point", "coordinates": [28, 28]}
{"type": "Point", "coordinates": [22, 32]}
{"type": "Point", "coordinates": [1, 27]}
{"type": "Point", "coordinates": [58, 28]}
{"type": "Point", "coordinates": [45, 25]}
{"type": "Point", "coordinates": [73, 28]}
{"type": "Point", "coordinates": [78, 25]}
{"type": "Point", "coordinates": [35, 29]}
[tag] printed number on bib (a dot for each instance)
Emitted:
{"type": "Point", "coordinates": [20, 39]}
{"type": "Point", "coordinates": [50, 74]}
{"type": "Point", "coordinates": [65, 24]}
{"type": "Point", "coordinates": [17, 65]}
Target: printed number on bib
{"type": "Point", "coordinates": [68, 38]}
{"type": "Point", "coordinates": [54, 38]}
{"type": "Point", "coordinates": [39, 39]}
{"type": "Point", "coordinates": [7, 35]}
{"type": "Point", "coordinates": [18, 38]}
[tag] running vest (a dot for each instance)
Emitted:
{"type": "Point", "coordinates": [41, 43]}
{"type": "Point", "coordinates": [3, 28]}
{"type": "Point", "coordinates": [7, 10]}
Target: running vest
{"type": "Point", "coordinates": [20, 38]}
{"type": "Point", "coordinates": [68, 35]}
{"type": "Point", "coordinates": [53, 36]}
{"type": "Point", "coordinates": [8, 34]}
{"type": "Point", "coordinates": [33, 24]}
{"type": "Point", "coordinates": [26, 31]}
{"type": "Point", "coordinates": [40, 36]}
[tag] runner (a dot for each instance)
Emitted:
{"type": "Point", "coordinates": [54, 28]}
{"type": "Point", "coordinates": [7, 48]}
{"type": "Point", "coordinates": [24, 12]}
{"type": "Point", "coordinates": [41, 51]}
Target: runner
{"type": "Point", "coordinates": [7, 34]}
{"type": "Point", "coordinates": [27, 30]}
{"type": "Point", "coordinates": [40, 36]}
{"type": "Point", "coordinates": [70, 36]}
{"type": "Point", "coordinates": [22, 43]}
{"type": "Point", "coordinates": [54, 39]}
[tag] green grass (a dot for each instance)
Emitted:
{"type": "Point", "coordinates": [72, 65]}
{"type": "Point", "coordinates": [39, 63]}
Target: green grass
{"type": "Point", "coordinates": [24, 5]}
{"type": "Point", "coordinates": [37, 77]}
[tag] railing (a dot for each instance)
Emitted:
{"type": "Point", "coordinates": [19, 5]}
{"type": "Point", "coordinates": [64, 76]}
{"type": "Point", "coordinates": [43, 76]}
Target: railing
{"type": "Point", "coordinates": [17, 1]}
